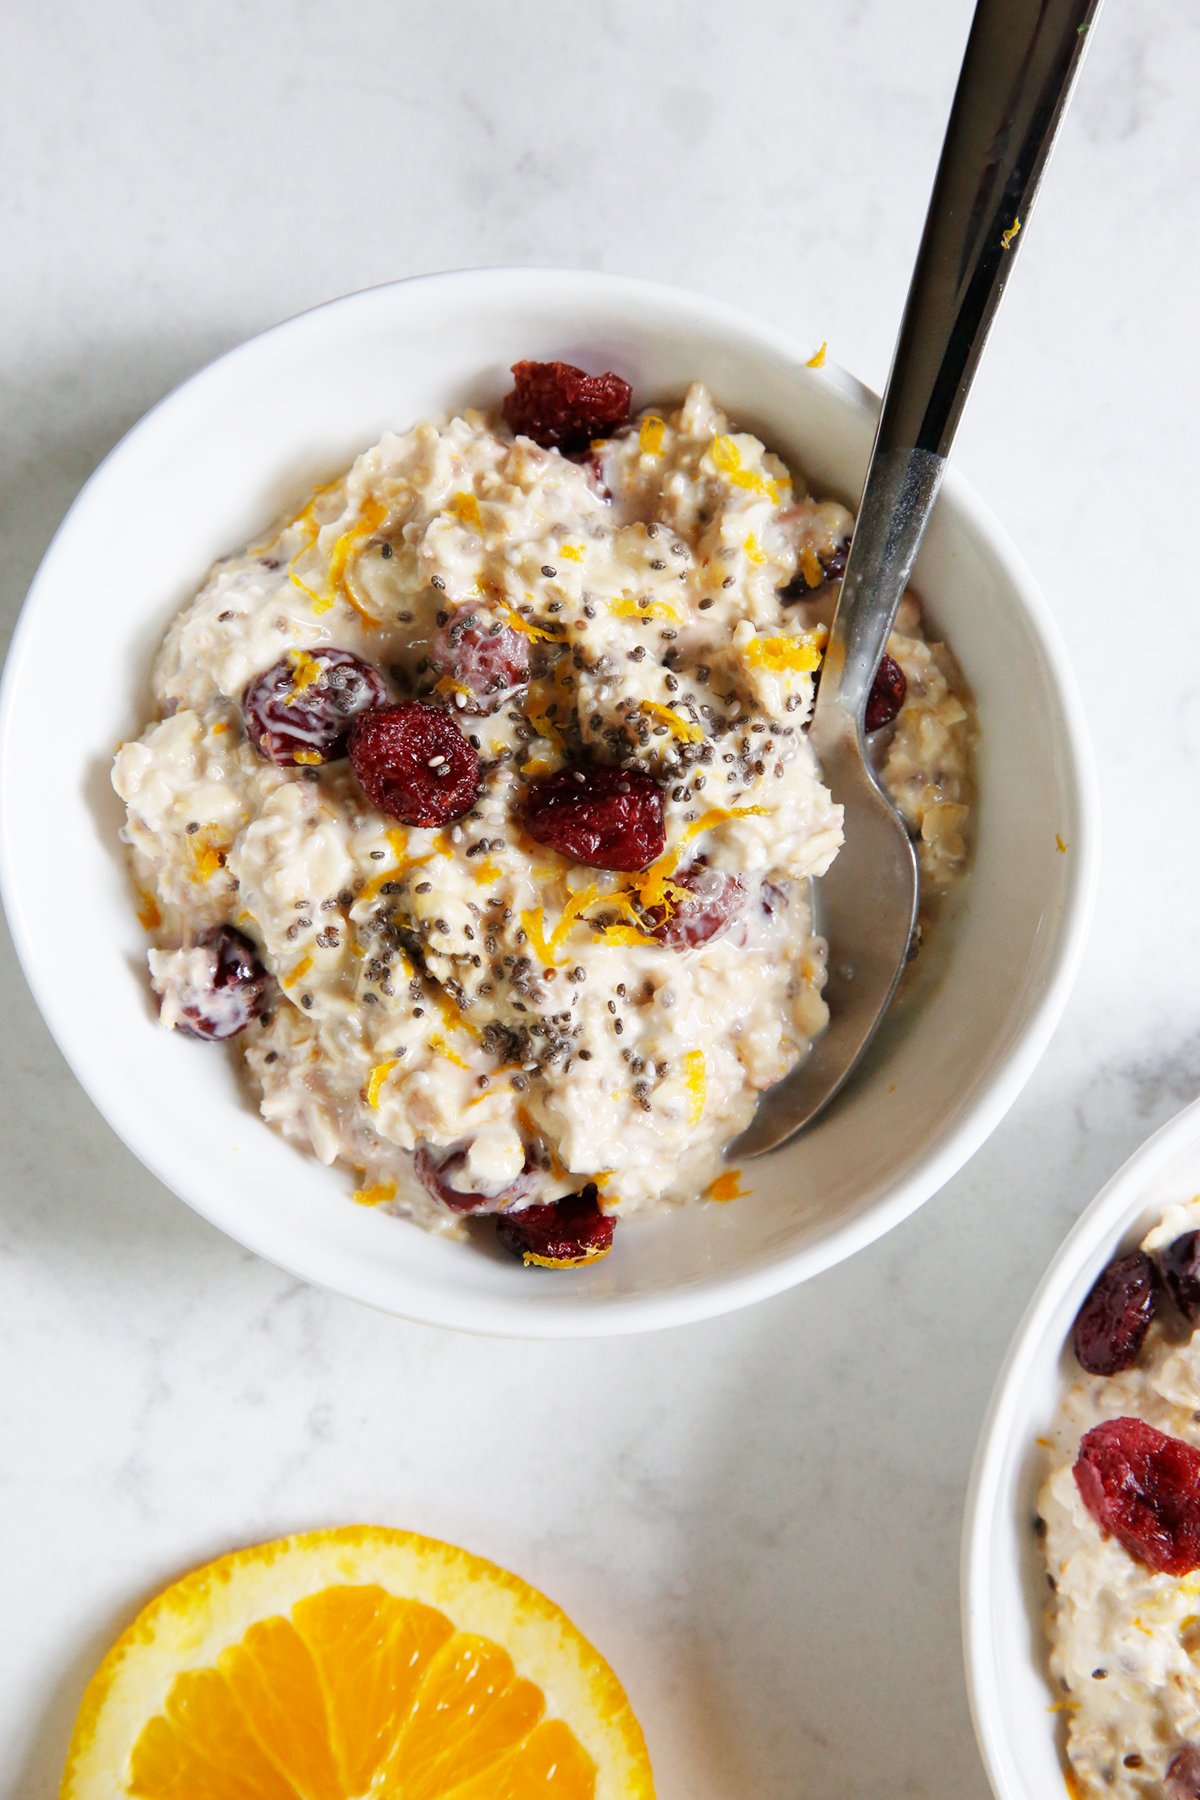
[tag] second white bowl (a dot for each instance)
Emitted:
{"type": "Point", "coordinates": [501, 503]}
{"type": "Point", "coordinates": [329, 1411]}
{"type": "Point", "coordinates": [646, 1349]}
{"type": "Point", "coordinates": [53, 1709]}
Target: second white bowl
{"type": "Point", "coordinates": [1003, 1578]}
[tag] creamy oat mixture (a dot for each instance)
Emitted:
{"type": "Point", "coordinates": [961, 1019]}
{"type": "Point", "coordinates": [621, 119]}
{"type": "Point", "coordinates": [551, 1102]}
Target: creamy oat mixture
{"type": "Point", "coordinates": [1124, 1638]}
{"type": "Point", "coordinates": [523, 1022]}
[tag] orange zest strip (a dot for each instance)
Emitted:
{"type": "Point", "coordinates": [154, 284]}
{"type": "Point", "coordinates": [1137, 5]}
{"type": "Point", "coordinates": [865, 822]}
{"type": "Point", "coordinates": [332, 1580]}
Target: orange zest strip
{"type": "Point", "coordinates": [697, 1084]}
{"type": "Point", "coordinates": [727, 458]}
{"type": "Point", "coordinates": [378, 1194]}
{"type": "Point", "coordinates": [717, 815]}
{"type": "Point", "coordinates": [622, 903]}
{"type": "Point", "coordinates": [535, 926]}
{"type": "Point", "coordinates": [565, 1262]}
{"type": "Point", "coordinates": [545, 727]}
{"type": "Point", "coordinates": [520, 624]}
{"type": "Point", "coordinates": [682, 728]}
{"type": "Point", "coordinates": [345, 552]}
{"type": "Point", "coordinates": [338, 581]}
{"type": "Point", "coordinates": [577, 904]}
{"type": "Point", "coordinates": [298, 972]}
{"type": "Point", "coordinates": [440, 1047]}
{"type": "Point", "coordinates": [627, 935]}
{"type": "Point", "coordinates": [305, 670]}
{"type": "Point", "coordinates": [208, 857]}
{"type": "Point", "coordinates": [811, 567]}
{"type": "Point", "coordinates": [794, 655]}
{"type": "Point", "coordinates": [379, 1075]}
{"type": "Point", "coordinates": [307, 522]}
{"type": "Point", "coordinates": [624, 608]}
{"type": "Point", "coordinates": [650, 435]}
{"type": "Point", "coordinates": [453, 1017]}
{"type": "Point", "coordinates": [532, 923]}
{"type": "Point", "coordinates": [465, 507]}
{"type": "Point", "coordinates": [654, 886]}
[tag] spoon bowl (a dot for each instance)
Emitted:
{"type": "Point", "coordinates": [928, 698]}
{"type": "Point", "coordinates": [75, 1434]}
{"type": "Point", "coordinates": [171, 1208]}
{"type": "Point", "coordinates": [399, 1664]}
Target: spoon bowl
{"type": "Point", "coordinates": [871, 891]}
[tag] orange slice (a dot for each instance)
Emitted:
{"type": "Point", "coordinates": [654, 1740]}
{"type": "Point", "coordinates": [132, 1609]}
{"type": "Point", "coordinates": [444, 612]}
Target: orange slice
{"type": "Point", "coordinates": [356, 1664]}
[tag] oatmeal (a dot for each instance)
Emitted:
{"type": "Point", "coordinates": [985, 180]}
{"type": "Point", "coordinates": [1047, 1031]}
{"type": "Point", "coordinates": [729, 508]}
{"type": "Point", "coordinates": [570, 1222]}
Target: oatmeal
{"type": "Point", "coordinates": [1119, 1512]}
{"type": "Point", "coordinates": [480, 807]}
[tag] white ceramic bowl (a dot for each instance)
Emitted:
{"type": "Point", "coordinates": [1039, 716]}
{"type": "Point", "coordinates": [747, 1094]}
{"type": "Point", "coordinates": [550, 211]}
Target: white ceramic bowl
{"type": "Point", "coordinates": [1003, 1580]}
{"type": "Point", "coordinates": [218, 459]}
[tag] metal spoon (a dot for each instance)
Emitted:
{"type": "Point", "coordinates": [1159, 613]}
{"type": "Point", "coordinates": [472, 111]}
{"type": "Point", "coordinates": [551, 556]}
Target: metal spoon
{"type": "Point", "coordinates": [1021, 59]}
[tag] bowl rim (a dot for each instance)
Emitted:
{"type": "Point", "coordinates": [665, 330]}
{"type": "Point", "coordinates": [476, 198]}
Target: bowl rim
{"type": "Point", "coordinates": [722, 1293]}
{"type": "Point", "coordinates": [1101, 1225]}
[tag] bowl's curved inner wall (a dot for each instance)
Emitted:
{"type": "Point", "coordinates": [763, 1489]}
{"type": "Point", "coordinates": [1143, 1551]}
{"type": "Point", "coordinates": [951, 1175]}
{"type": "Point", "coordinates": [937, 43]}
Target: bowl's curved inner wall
{"type": "Point", "coordinates": [211, 466]}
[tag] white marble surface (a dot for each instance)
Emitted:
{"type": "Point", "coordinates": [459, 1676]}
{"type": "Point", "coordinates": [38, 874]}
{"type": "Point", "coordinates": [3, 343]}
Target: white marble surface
{"type": "Point", "coordinates": [758, 1518]}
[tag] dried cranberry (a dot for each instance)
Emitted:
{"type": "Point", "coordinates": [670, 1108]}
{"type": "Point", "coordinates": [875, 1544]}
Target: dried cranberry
{"type": "Point", "coordinates": [486, 660]}
{"type": "Point", "coordinates": [233, 992]}
{"type": "Point", "coordinates": [563, 408]}
{"type": "Point", "coordinates": [1114, 1319]}
{"type": "Point", "coordinates": [886, 696]}
{"type": "Point", "coordinates": [434, 1169]}
{"type": "Point", "coordinates": [714, 901]}
{"type": "Point", "coordinates": [1143, 1488]}
{"type": "Point", "coordinates": [414, 763]}
{"type": "Point", "coordinates": [1180, 1265]}
{"type": "Point", "coordinates": [1182, 1779]}
{"type": "Point", "coordinates": [568, 1231]}
{"type": "Point", "coordinates": [595, 813]}
{"type": "Point", "coordinates": [301, 709]}
{"type": "Point", "coordinates": [832, 567]}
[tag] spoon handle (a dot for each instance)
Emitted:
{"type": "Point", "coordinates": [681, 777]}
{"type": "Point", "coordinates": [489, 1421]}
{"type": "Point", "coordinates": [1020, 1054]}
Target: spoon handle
{"type": "Point", "coordinates": [1021, 59]}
